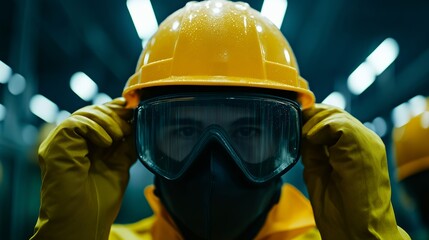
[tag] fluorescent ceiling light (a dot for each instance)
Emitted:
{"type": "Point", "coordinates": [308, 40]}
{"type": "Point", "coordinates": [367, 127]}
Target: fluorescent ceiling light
{"type": "Point", "coordinates": [405, 111]}
{"type": "Point", "coordinates": [335, 99]}
{"type": "Point", "coordinates": [5, 72]}
{"type": "Point", "coordinates": [274, 10]}
{"type": "Point", "coordinates": [43, 108]}
{"type": "Point", "coordinates": [61, 116]}
{"type": "Point", "coordinates": [425, 120]}
{"type": "Point", "coordinates": [380, 126]}
{"type": "Point", "coordinates": [143, 17]}
{"type": "Point", "coordinates": [2, 112]}
{"type": "Point", "coordinates": [361, 78]}
{"type": "Point", "coordinates": [83, 86]}
{"type": "Point", "coordinates": [101, 98]}
{"type": "Point", "coordinates": [16, 84]}
{"type": "Point", "coordinates": [374, 65]}
{"type": "Point", "coordinates": [383, 55]}
{"type": "Point", "coordinates": [369, 125]}
{"type": "Point", "coordinates": [401, 115]}
{"type": "Point", "coordinates": [144, 42]}
{"type": "Point", "coordinates": [417, 105]}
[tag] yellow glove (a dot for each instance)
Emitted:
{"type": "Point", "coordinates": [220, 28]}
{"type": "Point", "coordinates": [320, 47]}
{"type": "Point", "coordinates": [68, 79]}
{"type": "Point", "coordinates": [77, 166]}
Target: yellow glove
{"type": "Point", "coordinates": [85, 165]}
{"type": "Point", "coordinates": [345, 170]}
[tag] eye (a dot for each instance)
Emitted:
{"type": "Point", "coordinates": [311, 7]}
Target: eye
{"type": "Point", "coordinates": [247, 132]}
{"type": "Point", "coordinates": [186, 132]}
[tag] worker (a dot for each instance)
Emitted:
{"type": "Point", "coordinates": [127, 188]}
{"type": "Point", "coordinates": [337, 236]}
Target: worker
{"type": "Point", "coordinates": [218, 111]}
{"type": "Point", "coordinates": [412, 164]}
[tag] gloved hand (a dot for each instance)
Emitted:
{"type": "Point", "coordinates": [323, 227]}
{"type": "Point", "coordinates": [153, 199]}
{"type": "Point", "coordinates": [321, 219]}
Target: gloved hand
{"type": "Point", "coordinates": [345, 170]}
{"type": "Point", "coordinates": [85, 165]}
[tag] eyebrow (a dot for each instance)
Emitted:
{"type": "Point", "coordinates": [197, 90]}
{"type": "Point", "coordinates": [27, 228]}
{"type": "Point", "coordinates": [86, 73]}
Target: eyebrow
{"type": "Point", "coordinates": [246, 120]}
{"type": "Point", "coordinates": [184, 121]}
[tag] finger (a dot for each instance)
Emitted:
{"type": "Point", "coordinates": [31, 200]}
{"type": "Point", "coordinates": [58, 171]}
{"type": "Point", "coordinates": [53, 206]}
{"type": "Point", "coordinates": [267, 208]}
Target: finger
{"type": "Point", "coordinates": [308, 113]}
{"type": "Point", "coordinates": [124, 154]}
{"type": "Point", "coordinates": [107, 119]}
{"type": "Point", "coordinates": [118, 105]}
{"type": "Point", "coordinates": [314, 156]}
{"type": "Point", "coordinates": [317, 114]}
{"type": "Point", "coordinates": [77, 130]}
{"type": "Point", "coordinates": [332, 126]}
{"type": "Point", "coordinates": [65, 151]}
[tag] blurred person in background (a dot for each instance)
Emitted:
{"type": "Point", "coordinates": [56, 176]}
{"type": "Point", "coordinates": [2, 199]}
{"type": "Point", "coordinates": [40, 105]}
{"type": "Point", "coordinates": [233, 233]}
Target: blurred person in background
{"type": "Point", "coordinates": [411, 150]}
{"type": "Point", "coordinates": [218, 112]}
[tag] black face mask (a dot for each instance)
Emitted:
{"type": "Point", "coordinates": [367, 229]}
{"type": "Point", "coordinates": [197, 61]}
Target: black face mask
{"type": "Point", "coordinates": [214, 200]}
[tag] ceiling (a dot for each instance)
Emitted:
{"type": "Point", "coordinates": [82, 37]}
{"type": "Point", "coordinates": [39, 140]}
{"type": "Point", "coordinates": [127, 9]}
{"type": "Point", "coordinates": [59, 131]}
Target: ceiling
{"type": "Point", "coordinates": [47, 41]}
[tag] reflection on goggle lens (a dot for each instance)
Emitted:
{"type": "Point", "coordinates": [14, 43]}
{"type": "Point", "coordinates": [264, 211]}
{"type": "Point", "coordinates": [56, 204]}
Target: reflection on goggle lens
{"type": "Point", "coordinates": [260, 132]}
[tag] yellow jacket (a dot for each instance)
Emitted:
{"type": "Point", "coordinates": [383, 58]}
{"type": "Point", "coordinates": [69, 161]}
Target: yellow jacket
{"type": "Point", "coordinates": [291, 218]}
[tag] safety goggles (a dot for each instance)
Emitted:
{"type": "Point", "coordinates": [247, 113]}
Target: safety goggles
{"type": "Point", "coordinates": [261, 133]}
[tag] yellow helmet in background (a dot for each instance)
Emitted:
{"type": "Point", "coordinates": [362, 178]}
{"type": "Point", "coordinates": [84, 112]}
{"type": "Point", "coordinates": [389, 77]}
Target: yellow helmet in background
{"type": "Point", "coordinates": [218, 43]}
{"type": "Point", "coordinates": [411, 145]}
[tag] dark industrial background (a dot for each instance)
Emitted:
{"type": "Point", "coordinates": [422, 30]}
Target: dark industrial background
{"type": "Point", "coordinates": [45, 42]}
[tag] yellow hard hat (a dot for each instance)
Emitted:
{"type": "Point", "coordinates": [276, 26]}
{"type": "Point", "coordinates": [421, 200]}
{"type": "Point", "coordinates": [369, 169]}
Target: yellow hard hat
{"type": "Point", "coordinates": [218, 43]}
{"type": "Point", "coordinates": [410, 145]}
